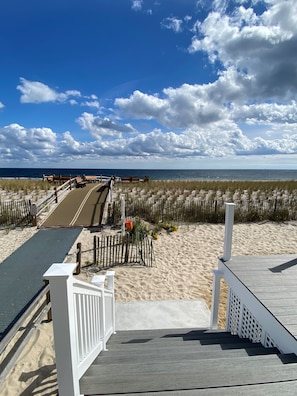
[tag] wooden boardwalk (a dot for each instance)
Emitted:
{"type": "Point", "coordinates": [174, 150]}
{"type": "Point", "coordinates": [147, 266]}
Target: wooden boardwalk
{"type": "Point", "coordinates": [82, 207]}
{"type": "Point", "coordinates": [273, 281]}
{"type": "Point", "coordinates": [189, 362]}
{"type": "Point", "coordinates": [21, 274]}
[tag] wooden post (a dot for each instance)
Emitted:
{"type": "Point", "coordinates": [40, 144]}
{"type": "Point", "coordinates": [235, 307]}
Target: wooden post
{"type": "Point", "coordinates": [123, 213]}
{"type": "Point", "coordinates": [48, 300]}
{"type": "Point", "coordinates": [33, 213]}
{"type": "Point", "coordinates": [94, 250]}
{"type": "Point", "coordinates": [78, 258]}
{"type": "Point", "coordinates": [56, 194]}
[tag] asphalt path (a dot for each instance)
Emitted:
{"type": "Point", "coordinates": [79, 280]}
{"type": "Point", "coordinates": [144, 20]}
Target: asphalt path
{"type": "Point", "coordinates": [82, 207]}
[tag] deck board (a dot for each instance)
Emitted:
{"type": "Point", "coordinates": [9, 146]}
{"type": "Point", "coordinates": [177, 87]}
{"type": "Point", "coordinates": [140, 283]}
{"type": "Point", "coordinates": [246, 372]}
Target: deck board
{"type": "Point", "coordinates": [272, 280]}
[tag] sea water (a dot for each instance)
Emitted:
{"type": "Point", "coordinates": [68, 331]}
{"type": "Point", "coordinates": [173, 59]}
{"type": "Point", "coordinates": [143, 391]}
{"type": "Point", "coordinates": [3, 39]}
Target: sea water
{"type": "Point", "coordinates": [156, 174]}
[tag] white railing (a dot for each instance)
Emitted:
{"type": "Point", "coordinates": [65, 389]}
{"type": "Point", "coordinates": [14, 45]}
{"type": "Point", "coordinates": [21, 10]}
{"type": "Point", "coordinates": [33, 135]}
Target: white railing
{"type": "Point", "coordinates": [246, 316]}
{"type": "Point", "coordinates": [83, 321]}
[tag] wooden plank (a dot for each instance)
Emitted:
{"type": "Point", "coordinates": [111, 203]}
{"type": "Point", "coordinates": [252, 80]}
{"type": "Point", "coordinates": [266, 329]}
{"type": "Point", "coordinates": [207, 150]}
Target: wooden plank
{"type": "Point", "coordinates": [285, 310]}
{"type": "Point", "coordinates": [172, 377]}
{"type": "Point", "coordinates": [270, 389]}
{"type": "Point", "coordinates": [272, 280]}
{"type": "Point", "coordinates": [178, 354]}
{"type": "Point", "coordinates": [276, 303]}
{"type": "Point", "coordinates": [275, 295]}
{"type": "Point", "coordinates": [198, 366]}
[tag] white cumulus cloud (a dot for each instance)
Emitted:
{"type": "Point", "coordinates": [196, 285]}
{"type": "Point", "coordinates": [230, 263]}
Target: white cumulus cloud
{"type": "Point", "coordinates": [37, 92]}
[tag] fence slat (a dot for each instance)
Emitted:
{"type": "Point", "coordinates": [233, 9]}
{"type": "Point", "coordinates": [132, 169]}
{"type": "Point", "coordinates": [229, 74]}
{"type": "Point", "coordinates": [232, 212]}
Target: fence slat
{"type": "Point", "coordinates": [114, 250]}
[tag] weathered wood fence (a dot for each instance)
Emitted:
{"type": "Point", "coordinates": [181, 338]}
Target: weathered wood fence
{"type": "Point", "coordinates": [112, 250]}
{"type": "Point", "coordinates": [15, 212]}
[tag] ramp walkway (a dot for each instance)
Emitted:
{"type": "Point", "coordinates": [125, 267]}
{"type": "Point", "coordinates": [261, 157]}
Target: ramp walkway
{"type": "Point", "coordinates": [82, 207]}
{"type": "Point", "coordinates": [21, 274]}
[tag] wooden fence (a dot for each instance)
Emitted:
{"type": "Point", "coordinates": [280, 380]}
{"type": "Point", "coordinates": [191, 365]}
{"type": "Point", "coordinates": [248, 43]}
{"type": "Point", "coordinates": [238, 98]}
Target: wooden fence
{"type": "Point", "coordinates": [15, 213]}
{"type": "Point", "coordinates": [113, 250]}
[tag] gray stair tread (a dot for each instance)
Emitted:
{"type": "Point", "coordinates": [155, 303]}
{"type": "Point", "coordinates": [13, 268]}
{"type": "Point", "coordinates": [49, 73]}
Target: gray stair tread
{"type": "Point", "coordinates": [186, 362]}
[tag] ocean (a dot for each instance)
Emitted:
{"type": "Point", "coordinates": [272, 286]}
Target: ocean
{"type": "Point", "coordinates": [156, 174]}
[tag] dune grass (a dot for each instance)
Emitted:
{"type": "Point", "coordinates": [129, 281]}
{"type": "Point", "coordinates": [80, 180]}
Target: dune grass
{"type": "Point", "coordinates": [15, 198]}
{"type": "Point", "coordinates": [27, 185]}
{"type": "Point", "coordinates": [204, 201]}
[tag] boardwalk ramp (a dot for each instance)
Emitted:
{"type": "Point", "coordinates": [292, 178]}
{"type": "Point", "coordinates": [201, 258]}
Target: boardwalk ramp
{"type": "Point", "coordinates": [21, 274]}
{"type": "Point", "coordinates": [82, 207]}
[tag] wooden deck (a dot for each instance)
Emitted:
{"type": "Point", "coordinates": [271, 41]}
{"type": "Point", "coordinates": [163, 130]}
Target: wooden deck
{"type": "Point", "coordinates": [207, 362]}
{"type": "Point", "coordinates": [273, 281]}
{"type": "Point", "coordinates": [189, 362]}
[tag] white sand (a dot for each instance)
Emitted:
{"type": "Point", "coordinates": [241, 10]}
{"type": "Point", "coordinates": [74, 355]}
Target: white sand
{"type": "Point", "coordinates": [183, 270]}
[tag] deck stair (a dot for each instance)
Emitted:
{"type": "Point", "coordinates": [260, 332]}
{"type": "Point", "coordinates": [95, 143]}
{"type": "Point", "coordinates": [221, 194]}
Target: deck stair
{"type": "Point", "coordinates": [189, 362]}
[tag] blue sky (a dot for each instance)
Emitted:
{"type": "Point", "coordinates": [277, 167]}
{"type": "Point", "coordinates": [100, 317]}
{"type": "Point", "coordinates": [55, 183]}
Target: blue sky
{"type": "Point", "coordinates": [174, 84]}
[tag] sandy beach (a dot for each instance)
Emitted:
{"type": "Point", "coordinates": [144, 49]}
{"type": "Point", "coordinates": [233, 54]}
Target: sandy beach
{"type": "Point", "coordinates": [184, 261]}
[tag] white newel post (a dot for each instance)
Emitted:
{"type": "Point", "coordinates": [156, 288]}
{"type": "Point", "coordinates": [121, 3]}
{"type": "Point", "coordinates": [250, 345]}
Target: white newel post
{"type": "Point", "coordinates": [218, 274]}
{"type": "Point", "coordinates": [216, 287]}
{"type": "Point", "coordinates": [60, 281]}
{"type": "Point", "coordinates": [229, 220]}
{"type": "Point", "coordinates": [98, 280]}
{"type": "Point", "coordinates": [110, 286]}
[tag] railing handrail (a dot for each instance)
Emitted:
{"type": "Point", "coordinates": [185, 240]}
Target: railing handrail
{"type": "Point", "coordinates": [50, 198]}
{"type": "Point", "coordinates": [80, 324]}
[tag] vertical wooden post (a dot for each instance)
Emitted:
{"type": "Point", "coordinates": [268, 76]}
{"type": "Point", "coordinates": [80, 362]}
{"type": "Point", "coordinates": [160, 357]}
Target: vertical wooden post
{"type": "Point", "coordinates": [33, 213]}
{"type": "Point", "coordinates": [229, 220]}
{"type": "Point", "coordinates": [94, 250]}
{"type": "Point", "coordinates": [48, 300]}
{"type": "Point", "coordinates": [78, 258]}
{"type": "Point", "coordinates": [123, 213]}
{"type": "Point", "coordinates": [56, 194]}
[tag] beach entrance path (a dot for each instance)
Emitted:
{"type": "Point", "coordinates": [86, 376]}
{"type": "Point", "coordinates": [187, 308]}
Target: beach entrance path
{"type": "Point", "coordinates": [21, 274]}
{"type": "Point", "coordinates": [82, 207]}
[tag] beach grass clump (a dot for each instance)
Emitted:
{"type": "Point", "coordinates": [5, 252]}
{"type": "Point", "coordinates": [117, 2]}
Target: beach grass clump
{"type": "Point", "coordinates": [26, 185]}
{"type": "Point", "coordinates": [204, 201]}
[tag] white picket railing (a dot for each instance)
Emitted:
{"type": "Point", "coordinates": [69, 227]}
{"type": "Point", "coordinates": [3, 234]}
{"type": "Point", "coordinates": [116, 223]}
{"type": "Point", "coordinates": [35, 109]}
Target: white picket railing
{"type": "Point", "coordinates": [83, 321]}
